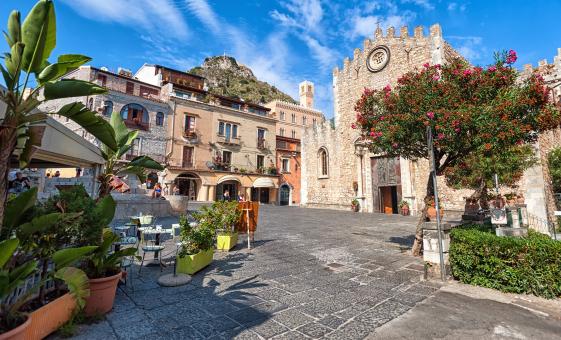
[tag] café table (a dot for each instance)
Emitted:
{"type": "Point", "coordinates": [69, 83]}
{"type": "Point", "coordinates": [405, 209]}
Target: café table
{"type": "Point", "coordinates": [157, 231]}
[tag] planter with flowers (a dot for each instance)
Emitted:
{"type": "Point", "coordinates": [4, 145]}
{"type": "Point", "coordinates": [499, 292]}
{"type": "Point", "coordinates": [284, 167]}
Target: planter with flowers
{"type": "Point", "coordinates": [196, 250]}
{"type": "Point", "coordinates": [431, 209]}
{"type": "Point", "coordinates": [355, 206]}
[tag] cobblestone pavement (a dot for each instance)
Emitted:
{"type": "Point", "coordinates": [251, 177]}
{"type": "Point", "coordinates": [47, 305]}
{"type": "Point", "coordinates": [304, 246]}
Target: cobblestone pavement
{"type": "Point", "coordinates": [311, 274]}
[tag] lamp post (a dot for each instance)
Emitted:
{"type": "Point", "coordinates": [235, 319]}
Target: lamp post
{"type": "Point", "coordinates": [360, 151]}
{"type": "Point", "coordinates": [437, 205]}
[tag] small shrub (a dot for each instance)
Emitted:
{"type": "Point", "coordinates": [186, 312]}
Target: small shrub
{"type": "Point", "coordinates": [530, 265]}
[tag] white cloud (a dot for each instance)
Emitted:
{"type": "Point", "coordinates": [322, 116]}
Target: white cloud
{"type": "Point", "coordinates": [365, 26]}
{"type": "Point", "coordinates": [205, 14]}
{"type": "Point", "coordinates": [304, 14]}
{"type": "Point", "coordinates": [426, 4]}
{"type": "Point", "coordinates": [146, 16]}
{"type": "Point", "coordinates": [453, 6]}
{"type": "Point", "coordinates": [304, 19]}
{"type": "Point", "coordinates": [325, 56]}
{"type": "Point", "coordinates": [470, 47]}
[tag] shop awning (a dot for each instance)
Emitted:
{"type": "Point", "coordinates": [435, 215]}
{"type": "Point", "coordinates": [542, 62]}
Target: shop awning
{"type": "Point", "coordinates": [62, 147]}
{"type": "Point", "coordinates": [264, 182]}
{"type": "Point", "coordinates": [228, 178]}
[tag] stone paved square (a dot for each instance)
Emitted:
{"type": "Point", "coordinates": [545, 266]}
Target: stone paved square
{"type": "Point", "coordinates": [305, 275]}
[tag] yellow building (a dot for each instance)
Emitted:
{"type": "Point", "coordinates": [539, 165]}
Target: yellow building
{"type": "Point", "coordinates": [217, 145]}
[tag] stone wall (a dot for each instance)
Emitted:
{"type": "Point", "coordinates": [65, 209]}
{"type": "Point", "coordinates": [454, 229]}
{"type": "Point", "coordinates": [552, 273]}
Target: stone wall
{"type": "Point", "coordinates": [406, 53]}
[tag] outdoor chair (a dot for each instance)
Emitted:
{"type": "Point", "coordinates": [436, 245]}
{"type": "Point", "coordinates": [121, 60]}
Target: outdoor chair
{"type": "Point", "coordinates": [148, 245]}
{"type": "Point", "coordinates": [126, 266]}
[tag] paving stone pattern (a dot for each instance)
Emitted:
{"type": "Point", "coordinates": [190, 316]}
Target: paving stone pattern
{"type": "Point", "coordinates": [311, 274]}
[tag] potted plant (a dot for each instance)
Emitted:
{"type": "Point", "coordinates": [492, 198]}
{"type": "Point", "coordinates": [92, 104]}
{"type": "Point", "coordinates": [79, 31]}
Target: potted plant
{"type": "Point", "coordinates": [221, 217]}
{"type": "Point", "coordinates": [431, 209]}
{"type": "Point", "coordinates": [13, 323]}
{"type": "Point", "coordinates": [404, 206]}
{"type": "Point", "coordinates": [103, 270]}
{"type": "Point", "coordinates": [41, 239]}
{"type": "Point", "coordinates": [510, 199]}
{"type": "Point", "coordinates": [196, 250]}
{"type": "Point", "coordinates": [355, 206]}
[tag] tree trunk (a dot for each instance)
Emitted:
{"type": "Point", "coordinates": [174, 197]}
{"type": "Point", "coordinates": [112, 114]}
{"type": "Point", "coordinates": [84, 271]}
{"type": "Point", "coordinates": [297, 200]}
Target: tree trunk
{"type": "Point", "coordinates": [417, 248]}
{"type": "Point", "coordinates": [8, 140]}
{"type": "Point", "coordinates": [104, 186]}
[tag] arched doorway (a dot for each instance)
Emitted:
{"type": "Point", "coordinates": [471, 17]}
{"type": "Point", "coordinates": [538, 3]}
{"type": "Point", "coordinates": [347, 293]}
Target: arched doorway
{"type": "Point", "coordinates": [187, 185]}
{"type": "Point", "coordinates": [228, 184]}
{"type": "Point", "coordinates": [284, 193]}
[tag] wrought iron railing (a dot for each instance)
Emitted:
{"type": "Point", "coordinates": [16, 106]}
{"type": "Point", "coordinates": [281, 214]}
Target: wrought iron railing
{"type": "Point", "coordinates": [539, 223]}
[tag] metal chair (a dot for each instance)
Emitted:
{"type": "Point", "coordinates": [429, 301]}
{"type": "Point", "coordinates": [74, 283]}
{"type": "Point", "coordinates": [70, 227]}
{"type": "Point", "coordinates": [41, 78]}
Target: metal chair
{"type": "Point", "coordinates": [148, 245]}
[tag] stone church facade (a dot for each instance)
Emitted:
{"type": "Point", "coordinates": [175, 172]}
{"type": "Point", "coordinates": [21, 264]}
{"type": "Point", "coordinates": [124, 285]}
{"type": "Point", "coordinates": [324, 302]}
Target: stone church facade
{"type": "Point", "coordinates": [353, 172]}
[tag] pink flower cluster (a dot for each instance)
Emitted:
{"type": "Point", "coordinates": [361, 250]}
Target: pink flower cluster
{"type": "Point", "coordinates": [430, 115]}
{"type": "Point", "coordinates": [492, 68]}
{"type": "Point", "coordinates": [376, 134]}
{"type": "Point", "coordinates": [511, 57]}
{"type": "Point", "coordinates": [467, 72]}
{"type": "Point", "coordinates": [353, 126]}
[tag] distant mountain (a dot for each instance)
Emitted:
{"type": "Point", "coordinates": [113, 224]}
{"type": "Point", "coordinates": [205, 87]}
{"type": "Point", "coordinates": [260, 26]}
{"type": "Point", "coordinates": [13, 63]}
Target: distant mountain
{"type": "Point", "coordinates": [228, 78]}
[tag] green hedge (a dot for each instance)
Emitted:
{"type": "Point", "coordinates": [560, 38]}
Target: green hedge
{"type": "Point", "coordinates": [529, 265]}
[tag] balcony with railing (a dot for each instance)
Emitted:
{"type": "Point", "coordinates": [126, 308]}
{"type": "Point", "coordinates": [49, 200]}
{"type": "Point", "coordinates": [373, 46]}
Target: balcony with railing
{"type": "Point", "coordinates": [137, 124]}
{"type": "Point", "coordinates": [219, 166]}
{"type": "Point", "coordinates": [262, 143]}
{"type": "Point", "coordinates": [288, 146]}
{"type": "Point", "coordinates": [228, 139]}
{"type": "Point", "coordinates": [192, 135]}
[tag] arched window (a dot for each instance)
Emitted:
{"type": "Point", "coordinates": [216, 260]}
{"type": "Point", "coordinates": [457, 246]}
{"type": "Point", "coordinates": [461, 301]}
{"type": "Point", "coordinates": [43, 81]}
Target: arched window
{"type": "Point", "coordinates": [108, 108]}
{"type": "Point", "coordinates": [160, 118]}
{"type": "Point", "coordinates": [135, 113]}
{"type": "Point", "coordinates": [323, 163]}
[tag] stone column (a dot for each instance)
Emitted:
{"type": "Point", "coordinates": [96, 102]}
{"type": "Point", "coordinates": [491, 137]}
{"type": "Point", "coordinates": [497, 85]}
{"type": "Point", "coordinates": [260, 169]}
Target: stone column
{"type": "Point", "coordinates": [204, 193]}
{"type": "Point", "coordinates": [431, 255]}
{"type": "Point", "coordinates": [247, 193]}
{"type": "Point", "coordinates": [211, 192]}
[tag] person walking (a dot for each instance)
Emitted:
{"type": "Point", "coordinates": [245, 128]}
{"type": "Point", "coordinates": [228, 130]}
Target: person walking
{"type": "Point", "coordinates": [226, 195]}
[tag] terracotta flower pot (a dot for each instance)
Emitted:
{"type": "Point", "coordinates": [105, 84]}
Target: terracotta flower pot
{"type": "Point", "coordinates": [431, 213]}
{"type": "Point", "coordinates": [50, 317]}
{"type": "Point", "coordinates": [102, 295]}
{"type": "Point", "coordinates": [18, 333]}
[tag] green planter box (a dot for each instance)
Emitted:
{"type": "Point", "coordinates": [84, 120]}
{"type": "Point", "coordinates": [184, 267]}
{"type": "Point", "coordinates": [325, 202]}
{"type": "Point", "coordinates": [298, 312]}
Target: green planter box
{"type": "Point", "coordinates": [193, 263]}
{"type": "Point", "coordinates": [226, 242]}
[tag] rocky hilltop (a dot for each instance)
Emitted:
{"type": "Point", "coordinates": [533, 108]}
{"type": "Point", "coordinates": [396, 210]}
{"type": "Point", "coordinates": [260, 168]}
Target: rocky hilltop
{"type": "Point", "coordinates": [226, 77]}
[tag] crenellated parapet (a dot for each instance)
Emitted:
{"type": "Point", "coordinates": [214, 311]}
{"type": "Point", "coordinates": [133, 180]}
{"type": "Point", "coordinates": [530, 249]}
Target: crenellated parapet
{"type": "Point", "coordinates": [550, 72]}
{"type": "Point", "coordinates": [404, 40]}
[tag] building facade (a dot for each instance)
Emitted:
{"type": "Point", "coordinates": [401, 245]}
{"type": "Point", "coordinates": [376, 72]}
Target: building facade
{"type": "Point", "coordinates": [291, 122]}
{"type": "Point", "coordinates": [137, 102]}
{"type": "Point", "coordinates": [337, 167]}
{"type": "Point", "coordinates": [219, 146]}
{"type": "Point", "coordinates": [289, 163]}
{"type": "Point", "coordinates": [540, 188]}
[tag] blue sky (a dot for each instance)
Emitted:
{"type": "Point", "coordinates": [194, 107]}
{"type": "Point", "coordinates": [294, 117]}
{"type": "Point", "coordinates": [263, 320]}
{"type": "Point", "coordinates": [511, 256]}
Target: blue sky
{"type": "Point", "coordinates": [286, 41]}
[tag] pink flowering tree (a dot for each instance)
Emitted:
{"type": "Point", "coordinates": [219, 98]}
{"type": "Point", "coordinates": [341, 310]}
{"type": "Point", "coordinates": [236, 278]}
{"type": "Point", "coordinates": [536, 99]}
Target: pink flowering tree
{"type": "Point", "coordinates": [470, 110]}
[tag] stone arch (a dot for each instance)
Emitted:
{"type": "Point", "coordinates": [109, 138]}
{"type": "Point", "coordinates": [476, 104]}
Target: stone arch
{"type": "Point", "coordinates": [187, 184]}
